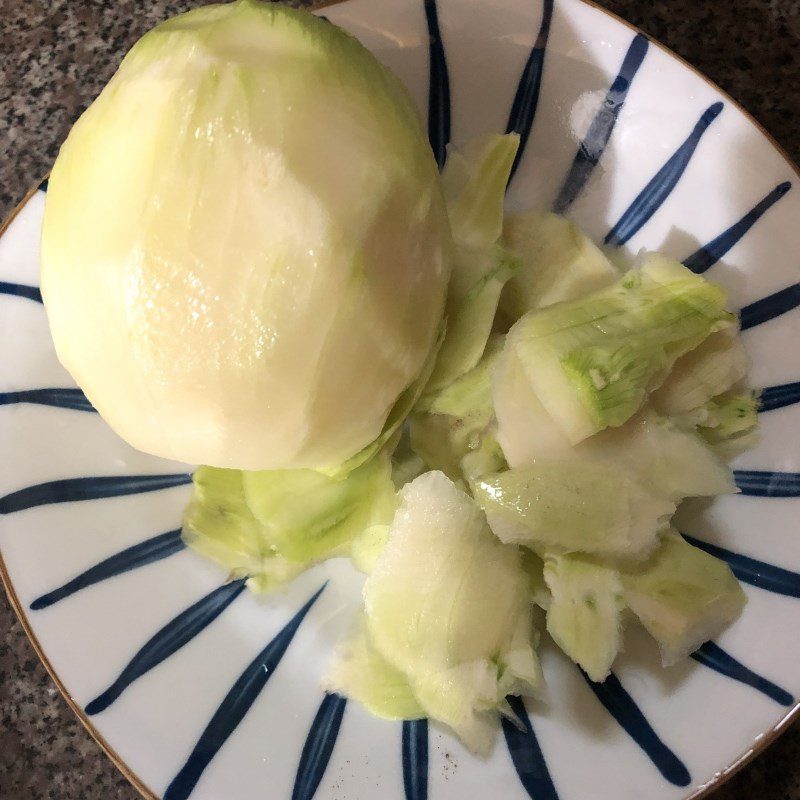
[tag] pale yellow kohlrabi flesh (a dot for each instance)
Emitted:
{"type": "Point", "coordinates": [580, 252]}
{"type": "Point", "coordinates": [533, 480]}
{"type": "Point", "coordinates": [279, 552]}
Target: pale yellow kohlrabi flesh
{"type": "Point", "coordinates": [449, 606]}
{"type": "Point", "coordinates": [245, 249]}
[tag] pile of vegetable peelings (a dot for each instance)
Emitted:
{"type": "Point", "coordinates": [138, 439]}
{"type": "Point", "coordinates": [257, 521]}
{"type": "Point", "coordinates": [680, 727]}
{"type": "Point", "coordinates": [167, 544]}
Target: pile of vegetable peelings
{"type": "Point", "coordinates": [251, 261]}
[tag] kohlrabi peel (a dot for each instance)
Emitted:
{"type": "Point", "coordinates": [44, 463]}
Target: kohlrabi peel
{"type": "Point", "coordinates": [246, 250]}
{"type": "Point", "coordinates": [683, 596]}
{"type": "Point", "coordinates": [219, 525]}
{"type": "Point", "coordinates": [558, 262]}
{"type": "Point", "coordinates": [592, 362]}
{"type": "Point", "coordinates": [474, 182]}
{"type": "Point", "coordinates": [449, 606]}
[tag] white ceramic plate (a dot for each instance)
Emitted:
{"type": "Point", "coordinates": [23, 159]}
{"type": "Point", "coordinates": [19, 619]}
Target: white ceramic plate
{"type": "Point", "coordinates": [197, 705]}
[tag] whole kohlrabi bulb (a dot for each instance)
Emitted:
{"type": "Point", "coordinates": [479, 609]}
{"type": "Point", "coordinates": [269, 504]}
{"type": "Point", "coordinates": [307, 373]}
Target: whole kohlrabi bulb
{"type": "Point", "coordinates": [245, 248]}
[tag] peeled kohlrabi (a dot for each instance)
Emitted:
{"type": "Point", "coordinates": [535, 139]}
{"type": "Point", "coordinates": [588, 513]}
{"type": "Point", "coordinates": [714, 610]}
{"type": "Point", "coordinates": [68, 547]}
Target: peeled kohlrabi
{"type": "Point", "coordinates": [474, 182]}
{"type": "Point", "coordinates": [584, 615]}
{"type": "Point", "coordinates": [557, 262]}
{"type": "Point", "coordinates": [219, 525]}
{"type": "Point", "coordinates": [592, 362]}
{"type": "Point", "coordinates": [573, 506]}
{"type": "Point", "coordinates": [449, 606]}
{"type": "Point", "coordinates": [683, 596]}
{"type": "Point", "coordinates": [228, 288]}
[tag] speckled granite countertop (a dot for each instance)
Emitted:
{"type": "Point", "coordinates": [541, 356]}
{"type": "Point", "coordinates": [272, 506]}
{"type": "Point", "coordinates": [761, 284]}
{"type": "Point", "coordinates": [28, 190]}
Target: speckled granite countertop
{"type": "Point", "coordinates": [55, 57]}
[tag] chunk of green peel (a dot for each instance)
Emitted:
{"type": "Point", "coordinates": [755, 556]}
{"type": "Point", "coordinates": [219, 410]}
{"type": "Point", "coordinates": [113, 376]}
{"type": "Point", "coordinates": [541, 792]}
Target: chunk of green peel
{"type": "Point", "coordinates": [450, 428]}
{"type": "Point", "coordinates": [474, 183]}
{"type": "Point", "coordinates": [219, 525]}
{"type": "Point", "coordinates": [666, 455]}
{"type": "Point", "coordinates": [584, 615]}
{"type": "Point", "coordinates": [728, 422]}
{"type": "Point", "coordinates": [671, 461]}
{"type": "Point", "coordinates": [592, 362]}
{"type": "Point", "coordinates": [573, 506]}
{"type": "Point", "coordinates": [683, 596]}
{"type": "Point", "coordinates": [558, 262]}
{"type": "Point", "coordinates": [711, 369]}
{"type": "Point", "coordinates": [310, 515]}
{"type": "Point", "coordinates": [463, 637]}
{"type": "Point", "coordinates": [361, 673]}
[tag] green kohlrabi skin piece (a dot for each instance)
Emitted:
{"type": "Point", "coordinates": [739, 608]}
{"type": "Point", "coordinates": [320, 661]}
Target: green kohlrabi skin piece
{"type": "Point", "coordinates": [683, 596]}
{"type": "Point", "coordinates": [219, 525]}
{"type": "Point", "coordinates": [367, 546]}
{"type": "Point", "coordinates": [670, 459]}
{"type": "Point", "coordinates": [450, 428]}
{"type": "Point", "coordinates": [227, 288]}
{"type": "Point", "coordinates": [711, 369]}
{"type": "Point", "coordinates": [558, 262]}
{"type": "Point", "coordinates": [359, 672]}
{"type": "Point", "coordinates": [729, 422]}
{"type": "Point", "coordinates": [310, 515]}
{"type": "Point", "coordinates": [533, 564]}
{"type": "Point", "coordinates": [592, 362]}
{"type": "Point", "coordinates": [474, 182]}
{"type": "Point", "coordinates": [573, 506]}
{"type": "Point", "coordinates": [584, 616]}
{"type": "Point", "coordinates": [463, 636]}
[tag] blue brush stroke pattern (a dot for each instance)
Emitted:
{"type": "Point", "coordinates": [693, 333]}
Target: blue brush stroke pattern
{"type": "Point", "coordinates": [612, 694]}
{"type": "Point", "coordinates": [526, 755]}
{"type": "Point", "coordinates": [319, 746]}
{"type": "Point", "coordinates": [770, 307]}
{"type": "Point", "coordinates": [415, 759]}
{"type": "Point", "coordinates": [21, 290]}
{"type": "Point", "coordinates": [711, 253]}
{"type": "Point", "coordinates": [713, 656]}
{"type": "Point", "coordinates": [91, 488]}
{"type": "Point", "coordinates": [438, 88]}
{"type": "Point", "coordinates": [592, 147]}
{"type": "Point", "coordinates": [526, 99]}
{"type": "Point", "coordinates": [756, 573]}
{"type": "Point", "coordinates": [73, 399]}
{"type": "Point", "coordinates": [154, 549]}
{"type": "Point", "coordinates": [785, 394]}
{"type": "Point", "coordinates": [43, 186]}
{"type": "Point", "coordinates": [235, 705]}
{"type": "Point", "coordinates": [174, 635]}
{"type": "Point", "coordinates": [763, 483]}
{"type": "Point", "coordinates": [659, 188]}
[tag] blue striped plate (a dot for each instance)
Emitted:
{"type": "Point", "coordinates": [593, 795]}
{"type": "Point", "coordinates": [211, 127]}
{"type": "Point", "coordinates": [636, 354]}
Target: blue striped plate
{"type": "Point", "coordinates": [199, 690]}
